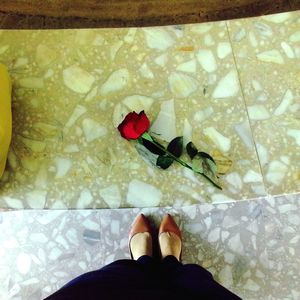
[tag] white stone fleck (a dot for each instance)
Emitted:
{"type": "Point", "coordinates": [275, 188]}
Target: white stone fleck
{"type": "Point", "coordinates": [85, 199]}
{"type": "Point", "coordinates": [244, 132]}
{"type": "Point", "coordinates": [120, 111]}
{"type": "Point", "coordinates": [182, 85]}
{"type": "Point", "coordinates": [235, 244]}
{"type": "Point", "coordinates": [78, 111]}
{"type": "Point", "coordinates": [228, 86]}
{"type": "Point", "coordinates": [277, 18]}
{"type": "Point", "coordinates": [295, 37]}
{"type": "Point", "coordinates": [141, 194]}
{"type": "Point", "coordinates": [221, 198]}
{"type": "Point", "coordinates": [115, 227]}
{"type": "Point", "coordinates": [239, 35]}
{"type": "Point", "coordinates": [165, 123]}
{"type": "Point", "coordinates": [72, 148]}
{"type": "Point", "coordinates": [201, 28]}
{"type": "Point", "coordinates": [98, 40]}
{"type": "Point", "coordinates": [263, 29]}
{"type": "Point", "coordinates": [229, 257]}
{"type": "Point", "coordinates": [161, 60]}
{"type": "Point", "coordinates": [191, 211]}
{"type": "Point", "coordinates": [294, 133]}
{"type": "Point", "coordinates": [251, 285]}
{"type": "Point", "coordinates": [138, 103]}
{"type": "Point", "coordinates": [63, 165]}
{"type": "Point", "coordinates": [157, 38]}
{"type": "Point", "coordinates": [203, 114]}
{"type": "Point", "coordinates": [225, 276]}
{"type": "Point", "coordinates": [130, 36]}
{"type": "Point", "coordinates": [252, 39]}
{"type": "Point", "coordinates": [13, 203]}
{"type": "Point", "coordinates": [235, 180]}
{"type": "Point", "coordinates": [272, 56]}
{"type": "Point", "coordinates": [258, 112]}
{"type": "Point", "coordinates": [285, 208]}
{"type": "Point", "coordinates": [77, 79]}
{"type": "Point", "coordinates": [286, 101]}
{"type": "Point", "coordinates": [32, 83]}
{"type": "Point", "coordinates": [207, 60]}
{"type": "Point", "coordinates": [36, 199]}
{"type": "Point", "coordinates": [229, 222]}
{"type": "Point", "coordinates": [115, 48]}
{"type": "Point", "coordinates": [256, 85]}
{"type": "Point", "coordinates": [288, 50]}
{"type": "Point", "coordinates": [187, 132]}
{"type": "Point", "coordinates": [214, 235]}
{"type": "Point", "coordinates": [146, 72]}
{"type": "Point", "coordinates": [55, 253]}
{"type": "Point", "coordinates": [223, 49]}
{"type": "Point", "coordinates": [188, 66]}
{"type": "Point", "coordinates": [111, 195]}
{"type": "Point", "coordinates": [38, 238]}
{"type": "Point", "coordinates": [221, 141]}
{"type": "Point", "coordinates": [252, 176]}
{"type": "Point", "coordinates": [93, 130]}
{"type": "Point", "coordinates": [276, 172]}
{"type": "Point", "coordinates": [263, 154]}
{"type": "Point", "coordinates": [23, 263]}
{"type": "Point", "coordinates": [115, 82]}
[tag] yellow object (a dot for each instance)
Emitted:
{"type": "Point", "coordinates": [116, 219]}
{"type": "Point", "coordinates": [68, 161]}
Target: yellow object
{"type": "Point", "coordinates": [5, 116]}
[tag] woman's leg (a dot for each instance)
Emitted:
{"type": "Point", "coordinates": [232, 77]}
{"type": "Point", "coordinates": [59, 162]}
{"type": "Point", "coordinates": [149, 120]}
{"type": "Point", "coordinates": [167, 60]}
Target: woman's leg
{"type": "Point", "coordinates": [120, 275]}
{"type": "Point", "coordinates": [194, 280]}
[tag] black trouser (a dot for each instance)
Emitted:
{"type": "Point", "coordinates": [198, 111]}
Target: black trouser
{"type": "Point", "coordinates": [145, 279]}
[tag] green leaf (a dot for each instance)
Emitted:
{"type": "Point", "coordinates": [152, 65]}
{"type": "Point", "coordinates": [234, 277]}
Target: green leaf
{"type": "Point", "coordinates": [206, 155]}
{"type": "Point", "coordinates": [197, 164]}
{"type": "Point", "coordinates": [175, 147]}
{"type": "Point", "coordinates": [164, 161]}
{"type": "Point", "coordinates": [191, 150]}
{"type": "Point", "coordinates": [146, 155]}
{"type": "Point", "coordinates": [153, 146]}
{"type": "Point", "coordinates": [147, 136]}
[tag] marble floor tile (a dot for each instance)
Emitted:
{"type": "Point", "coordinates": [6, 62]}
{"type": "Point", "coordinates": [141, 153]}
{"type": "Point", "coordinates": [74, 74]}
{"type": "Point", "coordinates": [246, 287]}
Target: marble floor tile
{"type": "Point", "coordinates": [42, 250]}
{"type": "Point", "coordinates": [282, 223]}
{"type": "Point", "coordinates": [267, 54]}
{"type": "Point", "coordinates": [251, 247]}
{"type": "Point", "coordinates": [71, 88]}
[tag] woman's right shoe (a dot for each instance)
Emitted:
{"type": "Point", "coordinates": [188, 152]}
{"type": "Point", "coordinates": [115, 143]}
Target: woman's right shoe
{"type": "Point", "coordinates": [140, 225]}
{"type": "Point", "coordinates": [173, 239]}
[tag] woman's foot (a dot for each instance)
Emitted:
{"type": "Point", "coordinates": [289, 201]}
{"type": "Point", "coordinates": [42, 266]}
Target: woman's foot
{"type": "Point", "coordinates": [140, 239]}
{"type": "Point", "coordinates": [170, 238]}
{"type": "Point", "coordinates": [141, 244]}
{"type": "Point", "coordinates": [170, 244]}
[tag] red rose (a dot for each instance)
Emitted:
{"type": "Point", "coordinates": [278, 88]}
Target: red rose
{"type": "Point", "coordinates": [134, 125]}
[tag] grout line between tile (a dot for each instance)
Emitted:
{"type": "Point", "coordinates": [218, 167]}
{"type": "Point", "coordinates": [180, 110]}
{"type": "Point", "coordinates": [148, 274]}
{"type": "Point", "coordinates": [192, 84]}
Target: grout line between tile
{"type": "Point", "coordinates": [246, 108]}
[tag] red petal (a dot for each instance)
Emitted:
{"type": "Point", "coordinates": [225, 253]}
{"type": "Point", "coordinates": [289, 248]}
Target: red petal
{"type": "Point", "coordinates": [128, 131]}
{"type": "Point", "coordinates": [142, 124]}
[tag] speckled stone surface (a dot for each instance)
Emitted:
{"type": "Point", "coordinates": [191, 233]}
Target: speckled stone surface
{"type": "Point", "coordinates": [73, 87]}
{"type": "Point", "coordinates": [267, 54]}
{"type": "Point", "coordinates": [251, 247]}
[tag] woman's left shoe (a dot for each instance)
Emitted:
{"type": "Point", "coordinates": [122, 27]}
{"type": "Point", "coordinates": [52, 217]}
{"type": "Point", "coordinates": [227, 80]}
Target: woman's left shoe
{"type": "Point", "coordinates": [170, 238]}
{"type": "Point", "coordinates": [140, 238]}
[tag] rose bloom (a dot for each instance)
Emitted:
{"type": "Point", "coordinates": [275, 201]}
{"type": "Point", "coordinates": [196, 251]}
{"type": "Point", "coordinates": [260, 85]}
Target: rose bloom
{"type": "Point", "coordinates": [134, 125]}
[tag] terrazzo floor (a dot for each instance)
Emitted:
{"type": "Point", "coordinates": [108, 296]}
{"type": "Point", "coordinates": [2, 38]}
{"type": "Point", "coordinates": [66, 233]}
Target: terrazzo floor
{"type": "Point", "coordinates": [70, 155]}
{"type": "Point", "coordinates": [232, 87]}
{"type": "Point", "coordinates": [251, 247]}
